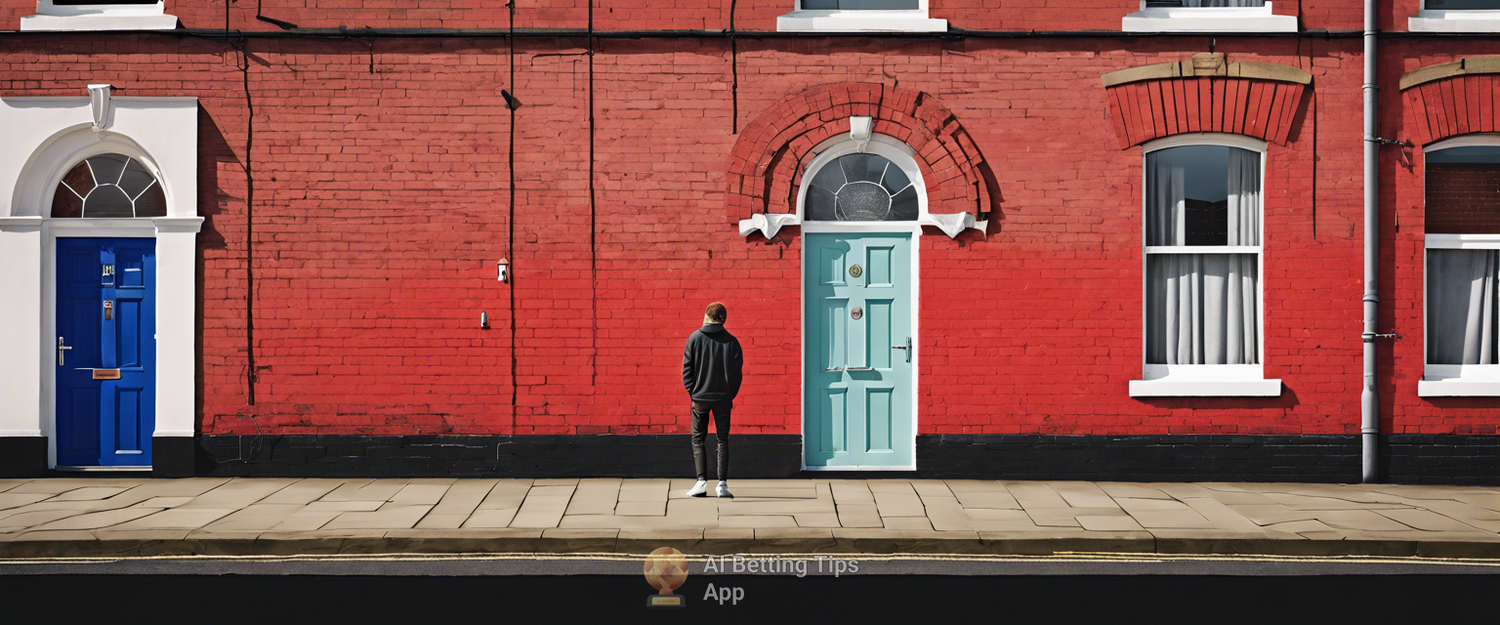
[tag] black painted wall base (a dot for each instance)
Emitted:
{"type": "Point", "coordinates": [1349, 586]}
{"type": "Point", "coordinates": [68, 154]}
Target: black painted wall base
{"type": "Point", "coordinates": [174, 456]}
{"type": "Point", "coordinates": [1404, 458]}
{"type": "Point", "coordinates": [589, 455]}
{"type": "Point", "coordinates": [23, 456]}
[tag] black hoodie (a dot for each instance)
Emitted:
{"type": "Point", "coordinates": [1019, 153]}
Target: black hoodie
{"type": "Point", "coordinates": [711, 364]}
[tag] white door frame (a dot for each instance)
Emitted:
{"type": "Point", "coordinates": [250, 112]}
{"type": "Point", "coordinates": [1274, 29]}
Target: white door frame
{"type": "Point", "coordinates": [903, 156]}
{"type": "Point", "coordinates": [48, 137]}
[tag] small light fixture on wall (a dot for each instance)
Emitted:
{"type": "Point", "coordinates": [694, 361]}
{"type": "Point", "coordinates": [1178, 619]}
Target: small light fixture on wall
{"type": "Point", "coordinates": [502, 270]}
{"type": "Point", "coordinates": [484, 321]}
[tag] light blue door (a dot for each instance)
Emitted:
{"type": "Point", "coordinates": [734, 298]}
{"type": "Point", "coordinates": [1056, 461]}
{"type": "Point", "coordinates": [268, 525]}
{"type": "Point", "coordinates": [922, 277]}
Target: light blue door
{"type": "Point", "coordinates": [106, 351]}
{"type": "Point", "coordinates": [857, 369]}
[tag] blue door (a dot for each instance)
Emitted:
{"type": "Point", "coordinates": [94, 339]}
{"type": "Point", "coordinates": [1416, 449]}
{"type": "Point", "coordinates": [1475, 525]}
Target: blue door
{"type": "Point", "coordinates": [857, 369]}
{"type": "Point", "coordinates": [106, 351]}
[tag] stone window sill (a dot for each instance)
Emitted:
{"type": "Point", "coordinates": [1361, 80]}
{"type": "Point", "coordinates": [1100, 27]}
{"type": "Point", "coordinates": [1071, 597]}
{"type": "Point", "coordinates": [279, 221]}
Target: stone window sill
{"type": "Point", "coordinates": [859, 21]}
{"type": "Point", "coordinates": [44, 23]}
{"type": "Point", "coordinates": [1465, 24]}
{"type": "Point", "coordinates": [1455, 387]}
{"type": "Point", "coordinates": [1202, 388]}
{"type": "Point", "coordinates": [1209, 20]}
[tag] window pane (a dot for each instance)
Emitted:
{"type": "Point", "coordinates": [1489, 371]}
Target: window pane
{"type": "Point", "coordinates": [881, 5]}
{"type": "Point", "coordinates": [152, 203]}
{"type": "Point", "coordinates": [825, 5]}
{"type": "Point", "coordinates": [861, 187]}
{"type": "Point", "coordinates": [1207, 3]}
{"type": "Point", "coordinates": [1203, 195]}
{"type": "Point", "coordinates": [1202, 309]}
{"type": "Point", "coordinates": [107, 168]}
{"type": "Point", "coordinates": [107, 201]}
{"type": "Point", "coordinates": [1462, 5]}
{"type": "Point", "coordinates": [1463, 191]}
{"type": "Point", "coordinates": [1461, 306]}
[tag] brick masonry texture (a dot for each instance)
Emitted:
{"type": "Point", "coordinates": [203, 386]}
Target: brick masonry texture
{"type": "Point", "coordinates": [381, 193]}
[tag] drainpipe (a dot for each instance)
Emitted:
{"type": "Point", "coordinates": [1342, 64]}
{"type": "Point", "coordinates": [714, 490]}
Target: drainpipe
{"type": "Point", "coordinates": [1369, 404]}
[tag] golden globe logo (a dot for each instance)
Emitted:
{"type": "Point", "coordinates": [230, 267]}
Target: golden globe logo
{"type": "Point", "coordinates": [666, 569]}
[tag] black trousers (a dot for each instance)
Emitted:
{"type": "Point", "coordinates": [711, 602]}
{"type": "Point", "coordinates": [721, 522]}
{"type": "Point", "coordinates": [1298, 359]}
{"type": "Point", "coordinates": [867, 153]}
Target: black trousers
{"type": "Point", "coordinates": [720, 411]}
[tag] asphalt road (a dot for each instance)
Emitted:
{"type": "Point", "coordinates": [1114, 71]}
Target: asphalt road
{"type": "Point", "coordinates": [437, 589]}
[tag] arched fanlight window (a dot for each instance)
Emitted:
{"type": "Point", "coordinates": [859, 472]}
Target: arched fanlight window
{"type": "Point", "coordinates": [109, 185]}
{"type": "Point", "coordinates": [861, 187]}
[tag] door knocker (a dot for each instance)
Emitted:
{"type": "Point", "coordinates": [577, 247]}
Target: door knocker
{"type": "Point", "coordinates": [857, 313]}
{"type": "Point", "coordinates": [854, 272]}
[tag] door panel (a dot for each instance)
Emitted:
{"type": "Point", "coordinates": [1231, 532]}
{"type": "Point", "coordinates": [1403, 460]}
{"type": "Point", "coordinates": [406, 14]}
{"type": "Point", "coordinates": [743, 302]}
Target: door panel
{"type": "Point", "coordinates": [858, 389]}
{"type": "Point", "coordinates": [107, 320]}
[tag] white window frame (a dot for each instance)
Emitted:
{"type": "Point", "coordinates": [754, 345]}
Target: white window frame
{"type": "Point", "coordinates": [1208, 20]}
{"type": "Point", "coordinates": [836, 21]}
{"type": "Point", "coordinates": [1160, 380]}
{"type": "Point", "coordinates": [1470, 21]}
{"type": "Point", "coordinates": [1445, 380]}
{"type": "Point", "coordinates": [60, 17]}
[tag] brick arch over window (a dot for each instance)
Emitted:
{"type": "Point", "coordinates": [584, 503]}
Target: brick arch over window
{"type": "Point", "coordinates": [1204, 94]}
{"type": "Point", "coordinates": [1453, 98]}
{"type": "Point", "coordinates": [773, 151]}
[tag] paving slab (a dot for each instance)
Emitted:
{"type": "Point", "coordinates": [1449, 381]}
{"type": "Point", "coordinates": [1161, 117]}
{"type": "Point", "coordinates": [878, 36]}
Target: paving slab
{"type": "Point", "coordinates": [1426, 520]}
{"type": "Point", "coordinates": [817, 520]}
{"type": "Point", "coordinates": [1036, 495]}
{"type": "Point", "coordinates": [1107, 523]}
{"type": "Point", "coordinates": [374, 490]}
{"type": "Point", "coordinates": [463, 497]}
{"type": "Point", "coordinates": [15, 500]}
{"type": "Point", "coordinates": [92, 492]}
{"type": "Point", "coordinates": [1083, 494]}
{"type": "Point", "coordinates": [896, 503]}
{"type": "Point", "coordinates": [258, 517]}
{"type": "Point", "coordinates": [403, 517]}
{"type": "Point", "coordinates": [494, 518]}
{"type": "Point", "coordinates": [640, 508]}
{"type": "Point", "coordinates": [759, 521]}
{"type": "Point", "coordinates": [851, 492]}
{"type": "Point", "coordinates": [859, 515]}
{"type": "Point", "coordinates": [238, 493]}
{"type": "Point", "coordinates": [308, 490]}
{"type": "Point", "coordinates": [96, 520]}
{"type": "Point", "coordinates": [180, 518]}
{"type": "Point", "coordinates": [992, 499]}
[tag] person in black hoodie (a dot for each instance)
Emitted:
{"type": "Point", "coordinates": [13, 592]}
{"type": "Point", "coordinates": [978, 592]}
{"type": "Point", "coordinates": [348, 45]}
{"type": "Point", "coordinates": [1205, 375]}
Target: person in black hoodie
{"type": "Point", "coordinates": [711, 367]}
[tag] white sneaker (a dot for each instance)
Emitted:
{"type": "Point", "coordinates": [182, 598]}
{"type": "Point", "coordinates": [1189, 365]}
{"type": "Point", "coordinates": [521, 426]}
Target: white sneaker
{"type": "Point", "coordinates": [699, 490]}
{"type": "Point", "coordinates": [724, 490]}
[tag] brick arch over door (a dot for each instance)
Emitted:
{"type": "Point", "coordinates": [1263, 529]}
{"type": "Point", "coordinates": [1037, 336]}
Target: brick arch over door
{"type": "Point", "coordinates": [1452, 98]}
{"type": "Point", "coordinates": [1204, 94]}
{"type": "Point", "coordinates": [772, 153]}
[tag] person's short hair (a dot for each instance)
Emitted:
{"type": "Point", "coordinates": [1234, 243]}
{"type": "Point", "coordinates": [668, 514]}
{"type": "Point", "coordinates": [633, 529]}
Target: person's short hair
{"type": "Point", "coordinates": [716, 312]}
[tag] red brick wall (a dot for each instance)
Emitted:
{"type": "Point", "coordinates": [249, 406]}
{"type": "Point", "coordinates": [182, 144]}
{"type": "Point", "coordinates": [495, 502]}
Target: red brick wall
{"type": "Point", "coordinates": [381, 205]}
{"type": "Point", "coordinates": [750, 15]}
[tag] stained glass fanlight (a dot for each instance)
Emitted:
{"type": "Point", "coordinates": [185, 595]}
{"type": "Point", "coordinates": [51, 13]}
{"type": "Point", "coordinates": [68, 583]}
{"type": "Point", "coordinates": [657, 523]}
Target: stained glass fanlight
{"type": "Point", "coordinates": [861, 187]}
{"type": "Point", "coordinates": [109, 185]}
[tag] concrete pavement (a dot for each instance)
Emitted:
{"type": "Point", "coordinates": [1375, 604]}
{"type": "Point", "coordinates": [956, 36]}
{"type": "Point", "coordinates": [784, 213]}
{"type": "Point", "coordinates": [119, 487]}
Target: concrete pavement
{"type": "Point", "coordinates": [276, 516]}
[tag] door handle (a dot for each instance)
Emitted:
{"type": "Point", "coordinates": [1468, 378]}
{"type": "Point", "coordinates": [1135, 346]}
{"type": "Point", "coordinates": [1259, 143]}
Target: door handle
{"type": "Point", "coordinates": [60, 349]}
{"type": "Point", "coordinates": [906, 347]}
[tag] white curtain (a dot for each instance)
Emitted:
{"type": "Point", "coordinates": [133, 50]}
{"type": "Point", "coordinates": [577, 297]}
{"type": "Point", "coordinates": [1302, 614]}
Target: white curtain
{"type": "Point", "coordinates": [1202, 308]}
{"type": "Point", "coordinates": [1461, 306]}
